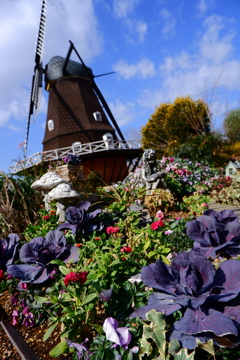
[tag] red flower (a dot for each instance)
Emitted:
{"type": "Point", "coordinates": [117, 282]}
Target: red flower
{"type": "Point", "coordinates": [46, 217]}
{"type": "Point", "coordinates": [78, 245]}
{"type": "Point", "coordinates": [156, 224]}
{"type": "Point", "coordinates": [1, 274]}
{"type": "Point", "coordinates": [126, 249]}
{"type": "Point", "coordinates": [97, 238]}
{"type": "Point", "coordinates": [112, 230]}
{"type": "Point", "coordinates": [74, 277]}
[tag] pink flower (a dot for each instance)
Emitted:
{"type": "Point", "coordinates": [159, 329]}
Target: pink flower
{"type": "Point", "coordinates": [15, 315]}
{"type": "Point", "coordinates": [23, 285]}
{"type": "Point", "coordinates": [126, 249]}
{"type": "Point", "coordinates": [112, 230]}
{"type": "Point", "coordinates": [74, 277]}
{"type": "Point", "coordinates": [168, 232]}
{"type": "Point", "coordinates": [204, 205]}
{"type": "Point", "coordinates": [1, 274]}
{"type": "Point", "coordinates": [156, 224]}
{"type": "Point", "coordinates": [159, 215]}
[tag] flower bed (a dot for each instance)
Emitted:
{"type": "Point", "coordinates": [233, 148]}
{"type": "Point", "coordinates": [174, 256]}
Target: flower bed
{"type": "Point", "coordinates": [128, 281]}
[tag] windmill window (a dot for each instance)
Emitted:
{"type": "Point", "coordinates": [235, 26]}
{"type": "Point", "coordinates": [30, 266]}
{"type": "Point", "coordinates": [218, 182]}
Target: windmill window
{"type": "Point", "coordinates": [50, 125]}
{"type": "Point", "coordinates": [97, 116]}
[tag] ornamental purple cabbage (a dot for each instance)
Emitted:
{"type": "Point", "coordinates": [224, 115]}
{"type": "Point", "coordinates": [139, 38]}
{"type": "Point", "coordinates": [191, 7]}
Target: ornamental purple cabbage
{"type": "Point", "coordinates": [78, 218]}
{"type": "Point", "coordinates": [8, 248]}
{"type": "Point", "coordinates": [215, 233]}
{"type": "Point", "coordinates": [38, 254]}
{"type": "Point", "coordinates": [208, 298]}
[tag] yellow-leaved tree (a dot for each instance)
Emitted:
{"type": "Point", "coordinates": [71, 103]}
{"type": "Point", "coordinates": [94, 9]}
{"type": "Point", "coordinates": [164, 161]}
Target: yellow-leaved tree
{"type": "Point", "coordinates": [172, 124]}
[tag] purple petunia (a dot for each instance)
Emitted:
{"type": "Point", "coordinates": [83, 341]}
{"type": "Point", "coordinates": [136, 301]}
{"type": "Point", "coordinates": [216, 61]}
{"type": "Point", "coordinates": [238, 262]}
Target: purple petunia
{"type": "Point", "coordinates": [118, 335]}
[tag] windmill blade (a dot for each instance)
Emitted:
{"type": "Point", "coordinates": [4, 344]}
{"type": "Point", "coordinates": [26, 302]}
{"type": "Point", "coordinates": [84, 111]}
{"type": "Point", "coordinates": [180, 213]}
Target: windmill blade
{"type": "Point", "coordinates": [36, 88]}
{"type": "Point", "coordinates": [97, 91]}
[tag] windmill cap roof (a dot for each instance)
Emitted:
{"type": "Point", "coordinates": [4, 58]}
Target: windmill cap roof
{"type": "Point", "coordinates": [55, 69]}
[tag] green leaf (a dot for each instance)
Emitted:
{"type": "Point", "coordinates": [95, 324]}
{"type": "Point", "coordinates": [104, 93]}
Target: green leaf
{"type": "Point", "coordinates": [90, 298]}
{"type": "Point", "coordinates": [59, 349]}
{"type": "Point", "coordinates": [158, 326]}
{"type": "Point", "coordinates": [183, 355]}
{"type": "Point", "coordinates": [49, 331]}
{"type": "Point", "coordinates": [127, 355]}
{"type": "Point", "coordinates": [145, 347]}
{"type": "Point", "coordinates": [64, 270]}
{"type": "Point", "coordinates": [207, 346]}
{"type": "Point", "coordinates": [41, 299]}
{"type": "Point", "coordinates": [174, 346]}
{"type": "Point", "coordinates": [57, 262]}
{"type": "Point", "coordinates": [97, 327]}
{"type": "Point", "coordinates": [147, 245]}
{"type": "Point", "coordinates": [151, 254]}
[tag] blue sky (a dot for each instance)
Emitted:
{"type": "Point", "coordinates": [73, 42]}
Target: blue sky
{"type": "Point", "coordinates": [160, 49]}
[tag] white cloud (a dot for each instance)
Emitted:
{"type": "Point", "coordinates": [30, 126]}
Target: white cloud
{"type": "Point", "coordinates": [143, 69]}
{"type": "Point", "coordinates": [202, 74]}
{"type": "Point", "coordinates": [212, 46]}
{"type": "Point", "coordinates": [136, 28]}
{"type": "Point", "coordinates": [123, 112]}
{"type": "Point", "coordinates": [204, 5]}
{"type": "Point", "coordinates": [169, 23]}
{"type": "Point", "coordinates": [141, 28]}
{"type": "Point", "coordinates": [19, 20]}
{"type": "Point", "coordinates": [122, 8]}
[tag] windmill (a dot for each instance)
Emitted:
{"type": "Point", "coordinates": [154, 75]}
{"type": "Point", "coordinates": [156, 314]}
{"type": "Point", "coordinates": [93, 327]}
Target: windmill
{"type": "Point", "coordinates": [79, 120]}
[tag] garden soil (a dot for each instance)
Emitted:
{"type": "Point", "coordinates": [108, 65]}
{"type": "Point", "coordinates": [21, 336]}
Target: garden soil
{"type": "Point", "coordinates": [33, 337]}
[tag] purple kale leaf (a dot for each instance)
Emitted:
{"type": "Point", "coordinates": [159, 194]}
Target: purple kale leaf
{"type": "Point", "coordinates": [38, 254]}
{"type": "Point", "coordinates": [207, 298]}
{"type": "Point", "coordinates": [216, 233]}
{"type": "Point", "coordinates": [8, 248]}
{"type": "Point", "coordinates": [78, 219]}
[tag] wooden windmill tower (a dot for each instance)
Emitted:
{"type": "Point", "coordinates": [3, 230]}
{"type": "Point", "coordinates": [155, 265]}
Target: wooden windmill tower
{"type": "Point", "coordinates": [79, 120]}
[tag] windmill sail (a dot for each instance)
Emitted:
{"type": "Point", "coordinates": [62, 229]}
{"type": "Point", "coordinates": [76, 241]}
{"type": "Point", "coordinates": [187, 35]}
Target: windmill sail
{"type": "Point", "coordinates": [36, 89]}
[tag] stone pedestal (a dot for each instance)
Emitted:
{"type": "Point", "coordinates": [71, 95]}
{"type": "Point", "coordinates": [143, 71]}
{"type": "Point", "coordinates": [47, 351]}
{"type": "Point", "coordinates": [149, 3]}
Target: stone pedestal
{"type": "Point", "coordinates": [69, 171]}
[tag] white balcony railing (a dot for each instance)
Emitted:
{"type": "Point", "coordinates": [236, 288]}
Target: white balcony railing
{"type": "Point", "coordinates": [76, 149]}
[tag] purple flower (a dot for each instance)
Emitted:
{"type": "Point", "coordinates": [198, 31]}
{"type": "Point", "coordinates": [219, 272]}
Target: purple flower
{"type": "Point", "coordinates": [105, 295]}
{"type": "Point", "coordinates": [82, 350]}
{"type": "Point", "coordinates": [209, 297]}
{"type": "Point", "coordinates": [14, 299]}
{"type": "Point", "coordinates": [8, 248]}
{"type": "Point", "coordinates": [78, 218]}
{"type": "Point", "coordinates": [215, 233]}
{"type": "Point", "coordinates": [28, 320]}
{"type": "Point", "coordinates": [15, 315]}
{"type": "Point", "coordinates": [39, 253]}
{"type": "Point", "coordinates": [118, 335]}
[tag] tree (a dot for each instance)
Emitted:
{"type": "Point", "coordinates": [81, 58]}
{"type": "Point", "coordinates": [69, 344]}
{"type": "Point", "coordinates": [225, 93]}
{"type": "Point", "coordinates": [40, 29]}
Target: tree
{"type": "Point", "coordinates": [171, 124]}
{"type": "Point", "coordinates": [232, 126]}
{"type": "Point", "coordinates": [210, 148]}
